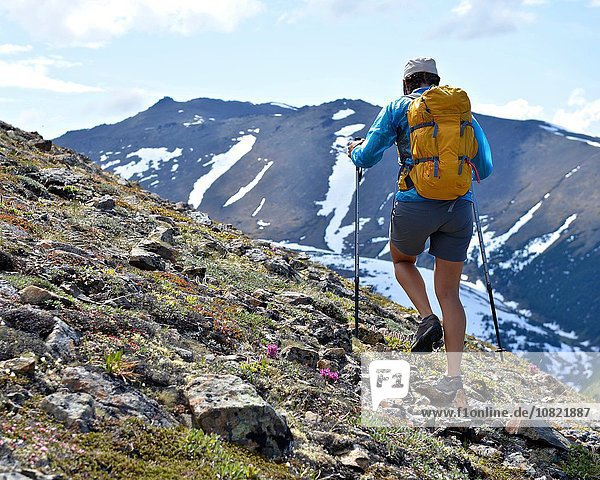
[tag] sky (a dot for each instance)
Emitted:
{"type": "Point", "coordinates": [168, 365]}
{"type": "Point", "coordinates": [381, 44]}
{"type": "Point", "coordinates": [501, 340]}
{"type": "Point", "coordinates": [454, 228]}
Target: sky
{"type": "Point", "coordinates": [71, 64]}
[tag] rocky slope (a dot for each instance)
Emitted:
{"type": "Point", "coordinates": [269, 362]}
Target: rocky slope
{"type": "Point", "coordinates": [141, 339]}
{"type": "Point", "coordinates": [280, 173]}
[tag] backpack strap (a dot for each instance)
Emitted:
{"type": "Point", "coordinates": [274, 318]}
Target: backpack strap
{"type": "Point", "coordinates": [463, 125]}
{"type": "Point", "coordinates": [467, 160]}
{"type": "Point", "coordinates": [402, 157]}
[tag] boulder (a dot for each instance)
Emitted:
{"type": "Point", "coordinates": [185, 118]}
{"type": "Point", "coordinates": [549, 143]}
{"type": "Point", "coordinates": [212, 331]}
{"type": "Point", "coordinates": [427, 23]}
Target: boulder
{"type": "Point", "coordinates": [303, 355]}
{"type": "Point", "coordinates": [195, 272]}
{"type": "Point", "coordinates": [279, 266]}
{"type": "Point", "coordinates": [145, 260]}
{"type": "Point", "coordinates": [368, 336]}
{"type": "Point", "coordinates": [295, 298]}
{"type": "Point", "coordinates": [334, 337]}
{"type": "Point", "coordinates": [73, 409]}
{"type": "Point", "coordinates": [358, 458]}
{"type": "Point", "coordinates": [542, 434]}
{"type": "Point", "coordinates": [33, 295]}
{"type": "Point", "coordinates": [105, 203]}
{"type": "Point", "coordinates": [114, 397]}
{"type": "Point", "coordinates": [256, 255]}
{"type": "Point", "coordinates": [24, 365]}
{"type": "Point", "coordinates": [44, 145]}
{"type": "Point", "coordinates": [231, 408]}
{"type": "Point", "coordinates": [62, 340]}
{"type": "Point", "coordinates": [7, 262]}
{"type": "Point", "coordinates": [29, 319]}
{"type": "Point", "coordinates": [201, 218]}
{"type": "Point", "coordinates": [165, 235]}
{"type": "Point", "coordinates": [159, 247]}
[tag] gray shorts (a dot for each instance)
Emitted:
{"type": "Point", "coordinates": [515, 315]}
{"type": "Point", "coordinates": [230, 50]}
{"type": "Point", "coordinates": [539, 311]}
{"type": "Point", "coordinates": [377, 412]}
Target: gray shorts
{"type": "Point", "coordinates": [449, 232]}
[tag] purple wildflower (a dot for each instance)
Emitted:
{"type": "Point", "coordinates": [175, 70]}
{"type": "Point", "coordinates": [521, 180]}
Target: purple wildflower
{"type": "Point", "coordinates": [272, 350]}
{"type": "Point", "coordinates": [329, 375]}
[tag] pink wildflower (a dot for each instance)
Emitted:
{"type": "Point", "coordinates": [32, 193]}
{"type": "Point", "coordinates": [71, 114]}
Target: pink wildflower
{"type": "Point", "coordinates": [327, 374]}
{"type": "Point", "coordinates": [272, 350]}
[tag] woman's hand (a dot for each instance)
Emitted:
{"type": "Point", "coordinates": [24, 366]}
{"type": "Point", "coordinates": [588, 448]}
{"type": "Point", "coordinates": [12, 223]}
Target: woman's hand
{"type": "Point", "coordinates": [352, 145]}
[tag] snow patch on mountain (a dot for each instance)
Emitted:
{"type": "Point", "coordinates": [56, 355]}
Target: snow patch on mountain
{"type": "Point", "coordinates": [149, 158]}
{"type": "Point", "coordinates": [198, 120]}
{"type": "Point", "coordinates": [493, 242]}
{"type": "Point", "coordinates": [220, 164]}
{"type": "Point", "coordinates": [556, 327]}
{"type": "Point", "coordinates": [283, 105]}
{"type": "Point", "coordinates": [589, 142]}
{"type": "Point", "coordinates": [111, 163]}
{"type": "Point", "coordinates": [259, 208]}
{"type": "Point", "coordinates": [576, 169]}
{"type": "Point", "coordinates": [341, 114]}
{"type": "Point", "coordinates": [536, 247]}
{"type": "Point", "coordinates": [340, 193]}
{"type": "Point", "coordinates": [244, 190]}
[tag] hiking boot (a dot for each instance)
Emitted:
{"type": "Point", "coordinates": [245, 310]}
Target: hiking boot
{"type": "Point", "coordinates": [428, 333]}
{"type": "Point", "coordinates": [449, 385]}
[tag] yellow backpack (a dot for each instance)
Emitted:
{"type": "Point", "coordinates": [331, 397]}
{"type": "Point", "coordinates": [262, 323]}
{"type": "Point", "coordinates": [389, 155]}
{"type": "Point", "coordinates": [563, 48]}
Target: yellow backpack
{"type": "Point", "coordinates": [442, 144]}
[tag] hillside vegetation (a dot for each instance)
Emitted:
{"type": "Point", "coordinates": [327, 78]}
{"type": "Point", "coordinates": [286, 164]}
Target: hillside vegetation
{"type": "Point", "coordinates": [142, 339]}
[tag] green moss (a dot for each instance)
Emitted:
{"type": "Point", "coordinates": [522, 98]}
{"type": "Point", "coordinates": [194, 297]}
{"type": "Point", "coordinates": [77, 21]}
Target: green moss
{"type": "Point", "coordinates": [21, 281]}
{"type": "Point", "coordinates": [133, 450]}
{"type": "Point", "coordinates": [582, 463]}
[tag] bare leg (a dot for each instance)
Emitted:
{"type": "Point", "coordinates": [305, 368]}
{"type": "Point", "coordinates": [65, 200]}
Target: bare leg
{"type": "Point", "coordinates": [447, 281]}
{"type": "Point", "coordinates": [410, 280]}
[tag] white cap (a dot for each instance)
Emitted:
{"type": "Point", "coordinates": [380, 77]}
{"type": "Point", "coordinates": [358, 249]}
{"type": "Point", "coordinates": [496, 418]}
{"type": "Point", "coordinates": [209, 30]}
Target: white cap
{"type": "Point", "coordinates": [420, 64]}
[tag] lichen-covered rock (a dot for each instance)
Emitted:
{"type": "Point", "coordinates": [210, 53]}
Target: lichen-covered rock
{"type": "Point", "coordinates": [116, 399]}
{"type": "Point", "coordinates": [358, 458]}
{"type": "Point", "coordinates": [295, 298]}
{"type": "Point", "coordinates": [105, 203]}
{"type": "Point", "coordinates": [164, 234]}
{"type": "Point", "coordinates": [305, 356]}
{"type": "Point", "coordinates": [145, 260]}
{"type": "Point", "coordinates": [542, 434]}
{"type": "Point", "coordinates": [159, 247]}
{"type": "Point", "coordinates": [279, 267]}
{"type": "Point", "coordinates": [73, 409]}
{"type": "Point", "coordinates": [230, 407]}
{"type": "Point", "coordinates": [256, 255]}
{"type": "Point", "coordinates": [62, 340]}
{"type": "Point", "coordinates": [371, 337]}
{"type": "Point", "coordinates": [24, 365]}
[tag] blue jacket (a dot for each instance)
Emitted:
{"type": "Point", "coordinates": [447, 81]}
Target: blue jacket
{"type": "Point", "coordinates": [382, 136]}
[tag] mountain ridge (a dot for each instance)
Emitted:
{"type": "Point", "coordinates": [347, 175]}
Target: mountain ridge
{"type": "Point", "coordinates": [306, 148]}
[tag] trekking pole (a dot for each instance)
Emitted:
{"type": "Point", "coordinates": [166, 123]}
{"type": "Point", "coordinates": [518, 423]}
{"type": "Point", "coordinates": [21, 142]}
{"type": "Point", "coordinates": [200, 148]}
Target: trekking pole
{"type": "Point", "coordinates": [356, 253]}
{"type": "Point", "coordinates": [486, 273]}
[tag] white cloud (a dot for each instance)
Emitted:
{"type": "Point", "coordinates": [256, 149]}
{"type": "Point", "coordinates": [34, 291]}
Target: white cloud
{"type": "Point", "coordinates": [332, 9]}
{"type": "Point", "coordinates": [91, 23]}
{"type": "Point", "coordinates": [582, 114]}
{"type": "Point", "coordinates": [30, 118]}
{"type": "Point", "coordinates": [11, 49]}
{"type": "Point", "coordinates": [118, 102]}
{"type": "Point", "coordinates": [33, 74]}
{"type": "Point", "coordinates": [480, 18]}
{"type": "Point", "coordinates": [519, 109]}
